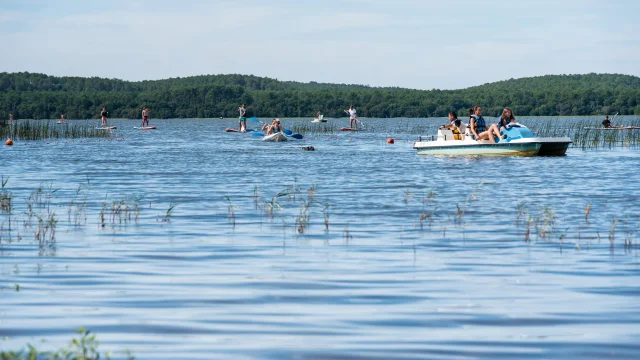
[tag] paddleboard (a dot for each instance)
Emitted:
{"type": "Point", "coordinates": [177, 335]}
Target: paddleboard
{"type": "Point", "coordinates": [236, 130]}
{"type": "Point", "coordinates": [107, 128]}
{"type": "Point", "coordinates": [146, 128]}
{"type": "Point", "coordinates": [348, 129]}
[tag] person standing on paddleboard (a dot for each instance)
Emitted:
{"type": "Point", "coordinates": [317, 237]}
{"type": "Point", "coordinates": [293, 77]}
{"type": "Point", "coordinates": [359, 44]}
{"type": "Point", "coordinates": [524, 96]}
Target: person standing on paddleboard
{"type": "Point", "coordinates": [145, 117]}
{"type": "Point", "coordinates": [61, 118]}
{"type": "Point", "coordinates": [242, 120]}
{"type": "Point", "coordinates": [104, 114]}
{"type": "Point", "coordinates": [11, 118]}
{"type": "Point", "coordinates": [353, 117]}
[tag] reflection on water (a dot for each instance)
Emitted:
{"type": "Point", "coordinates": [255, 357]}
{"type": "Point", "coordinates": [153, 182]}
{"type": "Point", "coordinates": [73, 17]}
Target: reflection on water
{"type": "Point", "coordinates": [189, 242]}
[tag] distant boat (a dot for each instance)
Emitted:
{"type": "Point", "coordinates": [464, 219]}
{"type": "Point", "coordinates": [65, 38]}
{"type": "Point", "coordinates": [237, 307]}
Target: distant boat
{"type": "Point", "coordinates": [319, 119]}
{"type": "Point", "coordinates": [221, 117]}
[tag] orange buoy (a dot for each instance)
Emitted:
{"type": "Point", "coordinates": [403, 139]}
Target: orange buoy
{"type": "Point", "coordinates": [390, 141]}
{"type": "Point", "coordinates": [9, 142]}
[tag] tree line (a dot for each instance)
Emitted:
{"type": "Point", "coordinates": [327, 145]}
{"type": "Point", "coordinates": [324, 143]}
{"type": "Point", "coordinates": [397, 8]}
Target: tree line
{"type": "Point", "coordinates": [38, 96]}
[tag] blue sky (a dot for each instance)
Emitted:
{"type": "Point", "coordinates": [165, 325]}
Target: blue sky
{"type": "Point", "coordinates": [420, 44]}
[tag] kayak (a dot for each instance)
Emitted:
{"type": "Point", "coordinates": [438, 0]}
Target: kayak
{"type": "Point", "coordinates": [348, 129]}
{"type": "Point", "coordinates": [146, 128]}
{"type": "Point", "coordinates": [237, 131]}
{"type": "Point", "coordinates": [60, 123]}
{"type": "Point", "coordinates": [275, 137]}
{"type": "Point", "coordinates": [316, 120]}
{"type": "Point", "coordinates": [107, 128]}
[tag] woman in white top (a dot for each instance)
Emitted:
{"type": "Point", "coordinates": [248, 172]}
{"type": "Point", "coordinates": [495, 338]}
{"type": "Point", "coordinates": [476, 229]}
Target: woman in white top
{"type": "Point", "coordinates": [353, 117]}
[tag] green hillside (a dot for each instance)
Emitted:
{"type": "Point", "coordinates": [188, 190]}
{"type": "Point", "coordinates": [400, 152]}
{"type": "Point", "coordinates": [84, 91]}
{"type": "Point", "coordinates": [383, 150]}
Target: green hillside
{"type": "Point", "coordinates": [39, 96]}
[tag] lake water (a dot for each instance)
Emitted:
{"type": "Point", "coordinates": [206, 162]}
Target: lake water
{"type": "Point", "coordinates": [423, 257]}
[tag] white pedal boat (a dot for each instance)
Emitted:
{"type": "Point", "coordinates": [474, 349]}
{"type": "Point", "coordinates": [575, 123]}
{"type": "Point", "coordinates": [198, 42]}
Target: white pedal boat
{"type": "Point", "coordinates": [519, 142]}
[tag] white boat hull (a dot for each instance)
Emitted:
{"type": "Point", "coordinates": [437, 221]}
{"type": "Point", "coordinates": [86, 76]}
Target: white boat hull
{"type": "Point", "coordinates": [448, 143]}
{"type": "Point", "coordinates": [483, 149]}
{"type": "Point", "coordinates": [275, 137]}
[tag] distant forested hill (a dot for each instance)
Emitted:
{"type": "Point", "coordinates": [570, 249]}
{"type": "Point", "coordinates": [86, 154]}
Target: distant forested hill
{"type": "Point", "coordinates": [39, 96]}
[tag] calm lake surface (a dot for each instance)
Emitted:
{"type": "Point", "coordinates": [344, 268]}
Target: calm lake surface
{"type": "Point", "coordinates": [423, 257]}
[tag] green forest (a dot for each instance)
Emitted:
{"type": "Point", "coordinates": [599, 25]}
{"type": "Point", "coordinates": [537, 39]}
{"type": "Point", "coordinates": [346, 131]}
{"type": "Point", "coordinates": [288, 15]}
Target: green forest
{"type": "Point", "coordinates": [39, 96]}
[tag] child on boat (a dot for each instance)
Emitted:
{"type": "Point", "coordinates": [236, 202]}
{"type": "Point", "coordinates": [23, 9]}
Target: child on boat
{"type": "Point", "coordinates": [479, 129]}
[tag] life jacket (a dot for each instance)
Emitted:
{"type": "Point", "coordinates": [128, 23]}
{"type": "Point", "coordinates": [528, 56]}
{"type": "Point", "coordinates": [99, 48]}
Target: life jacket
{"type": "Point", "coordinates": [481, 126]}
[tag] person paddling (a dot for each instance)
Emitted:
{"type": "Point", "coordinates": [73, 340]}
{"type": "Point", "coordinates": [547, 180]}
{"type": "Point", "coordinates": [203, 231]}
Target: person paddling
{"type": "Point", "coordinates": [606, 122]}
{"type": "Point", "coordinates": [353, 117]}
{"type": "Point", "coordinates": [61, 118]}
{"type": "Point", "coordinates": [104, 114]}
{"type": "Point", "coordinates": [11, 118]}
{"type": "Point", "coordinates": [242, 120]}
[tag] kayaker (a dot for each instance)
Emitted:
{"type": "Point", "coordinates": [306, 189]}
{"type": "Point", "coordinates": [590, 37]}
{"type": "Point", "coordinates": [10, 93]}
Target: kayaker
{"type": "Point", "coordinates": [104, 114]}
{"type": "Point", "coordinates": [353, 117]}
{"type": "Point", "coordinates": [61, 118]}
{"type": "Point", "coordinates": [145, 117]}
{"type": "Point", "coordinates": [506, 119]}
{"type": "Point", "coordinates": [273, 128]}
{"type": "Point", "coordinates": [318, 115]}
{"type": "Point", "coordinates": [606, 122]}
{"type": "Point", "coordinates": [479, 129]}
{"type": "Point", "coordinates": [242, 120]}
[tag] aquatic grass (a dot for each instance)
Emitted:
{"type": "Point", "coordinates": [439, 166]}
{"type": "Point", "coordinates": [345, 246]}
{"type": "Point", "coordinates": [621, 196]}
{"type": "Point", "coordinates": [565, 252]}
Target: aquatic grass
{"type": "Point", "coordinates": [587, 134]}
{"type": "Point", "coordinates": [47, 129]}
{"type": "Point", "coordinates": [231, 211]}
{"type": "Point", "coordinates": [5, 197]}
{"type": "Point", "coordinates": [169, 213]}
{"type": "Point", "coordinates": [314, 129]}
{"type": "Point", "coordinates": [325, 213]}
{"type": "Point", "coordinates": [83, 347]}
{"type": "Point", "coordinates": [586, 213]}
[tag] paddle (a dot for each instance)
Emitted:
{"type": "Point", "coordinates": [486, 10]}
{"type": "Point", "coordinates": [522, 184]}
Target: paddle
{"type": "Point", "coordinates": [614, 116]}
{"type": "Point", "coordinates": [296, 136]}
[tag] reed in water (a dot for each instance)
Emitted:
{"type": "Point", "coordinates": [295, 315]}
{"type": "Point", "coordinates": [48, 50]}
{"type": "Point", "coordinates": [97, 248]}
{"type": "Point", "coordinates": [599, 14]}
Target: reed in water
{"type": "Point", "coordinates": [40, 130]}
